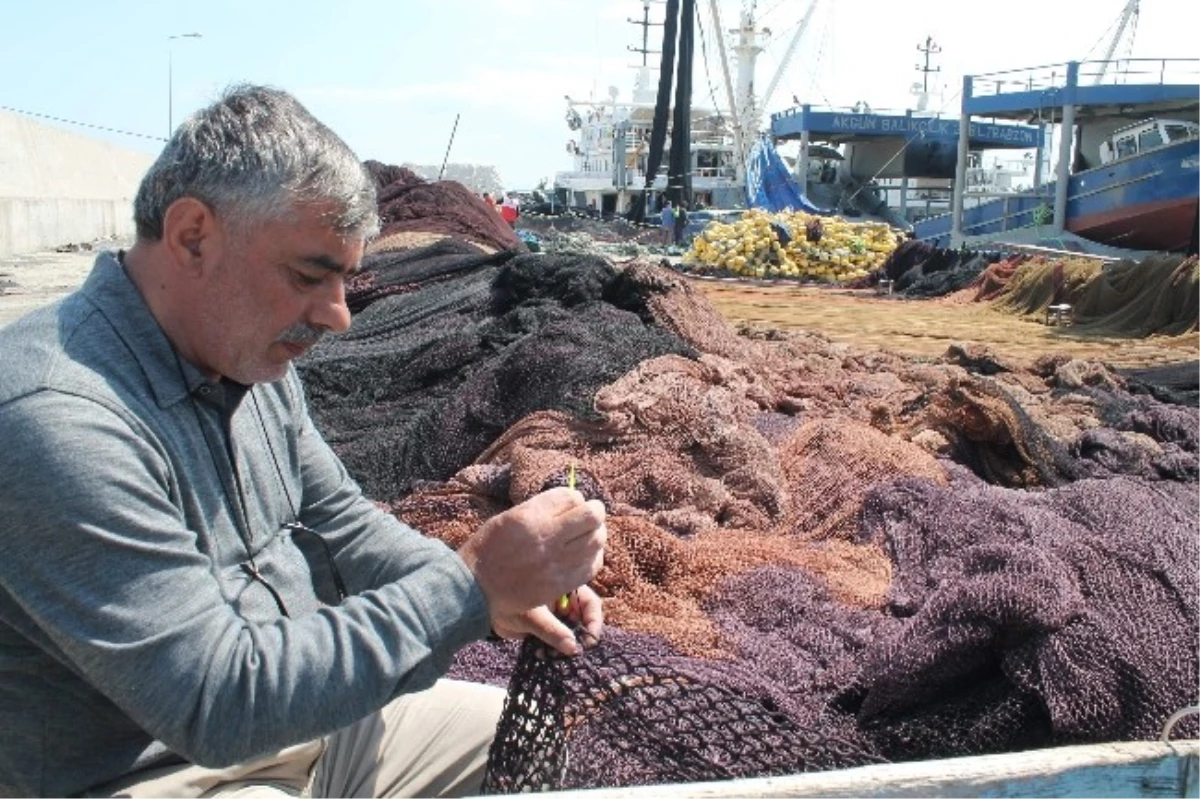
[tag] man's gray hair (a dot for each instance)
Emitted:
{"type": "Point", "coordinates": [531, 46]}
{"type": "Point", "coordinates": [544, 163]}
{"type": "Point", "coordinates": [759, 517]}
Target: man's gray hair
{"type": "Point", "coordinates": [255, 155]}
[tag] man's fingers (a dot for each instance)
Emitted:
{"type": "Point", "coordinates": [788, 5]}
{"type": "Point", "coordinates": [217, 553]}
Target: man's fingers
{"type": "Point", "coordinates": [581, 520]}
{"type": "Point", "coordinates": [555, 501]}
{"type": "Point", "coordinates": [548, 627]}
{"type": "Point", "coordinates": [590, 610]}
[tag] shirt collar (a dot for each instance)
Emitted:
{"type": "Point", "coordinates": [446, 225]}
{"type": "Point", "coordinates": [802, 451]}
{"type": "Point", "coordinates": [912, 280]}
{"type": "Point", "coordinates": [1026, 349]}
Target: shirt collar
{"type": "Point", "coordinates": [171, 377]}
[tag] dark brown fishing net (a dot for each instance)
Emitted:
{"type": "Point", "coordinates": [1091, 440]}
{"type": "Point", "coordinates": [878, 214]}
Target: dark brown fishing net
{"type": "Point", "coordinates": [920, 270]}
{"type": "Point", "coordinates": [876, 556]}
{"type": "Point", "coordinates": [410, 204]}
{"type": "Point", "coordinates": [643, 720]}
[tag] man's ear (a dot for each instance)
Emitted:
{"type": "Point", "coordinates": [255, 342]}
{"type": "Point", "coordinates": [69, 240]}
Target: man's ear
{"type": "Point", "coordinates": [190, 234]}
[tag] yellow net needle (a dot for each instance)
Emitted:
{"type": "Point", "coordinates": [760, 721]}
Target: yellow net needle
{"type": "Point", "coordinates": [564, 601]}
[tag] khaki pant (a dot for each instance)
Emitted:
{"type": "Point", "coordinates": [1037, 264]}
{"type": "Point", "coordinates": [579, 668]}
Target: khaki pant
{"type": "Point", "coordinates": [432, 743]}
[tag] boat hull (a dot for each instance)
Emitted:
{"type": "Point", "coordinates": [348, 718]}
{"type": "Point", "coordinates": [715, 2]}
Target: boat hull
{"type": "Point", "coordinates": [1144, 203]}
{"type": "Point", "coordinates": [1164, 225]}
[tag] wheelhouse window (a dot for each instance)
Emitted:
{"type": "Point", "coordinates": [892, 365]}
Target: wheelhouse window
{"type": "Point", "coordinates": [1179, 132]}
{"type": "Point", "coordinates": [1126, 147]}
{"type": "Point", "coordinates": [1149, 139]}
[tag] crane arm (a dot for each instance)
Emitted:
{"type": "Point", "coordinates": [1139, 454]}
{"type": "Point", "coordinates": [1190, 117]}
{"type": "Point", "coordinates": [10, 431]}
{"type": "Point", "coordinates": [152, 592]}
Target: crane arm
{"type": "Point", "coordinates": [787, 56]}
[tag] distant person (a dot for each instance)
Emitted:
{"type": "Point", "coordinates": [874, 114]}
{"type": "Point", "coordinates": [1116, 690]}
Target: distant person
{"type": "Point", "coordinates": [510, 210]}
{"type": "Point", "coordinates": [668, 222]}
{"type": "Point", "coordinates": [487, 198]}
{"type": "Point", "coordinates": [195, 596]}
{"type": "Point", "coordinates": [681, 220]}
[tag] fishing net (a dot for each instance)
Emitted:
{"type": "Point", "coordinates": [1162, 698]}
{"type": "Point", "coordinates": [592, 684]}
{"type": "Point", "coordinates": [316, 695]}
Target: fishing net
{"type": "Point", "coordinates": [1174, 383]}
{"type": "Point", "coordinates": [1040, 282]}
{"type": "Point", "coordinates": [1158, 295]}
{"type": "Point", "coordinates": [818, 557]}
{"type": "Point", "coordinates": [451, 346]}
{"type": "Point", "coordinates": [920, 270]}
{"type": "Point", "coordinates": [410, 204]}
{"type": "Point", "coordinates": [1024, 632]}
{"type": "Point", "coordinates": [957, 274]}
{"type": "Point", "coordinates": [993, 281]}
{"type": "Point", "coordinates": [614, 706]}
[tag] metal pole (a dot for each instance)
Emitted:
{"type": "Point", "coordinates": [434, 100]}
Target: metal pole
{"type": "Point", "coordinates": [1066, 142]}
{"type": "Point", "coordinates": [170, 79]}
{"type": "Point", "coordinates": [1037, 165]}
{"type": "Point", "coordinates": [802, 161]}
{"type": "Point", "coordinates": [450, 144]}
{"type": "Point", "coordinates": [787, 56]}
{"type": "Point", "coordinates": [960, 170]}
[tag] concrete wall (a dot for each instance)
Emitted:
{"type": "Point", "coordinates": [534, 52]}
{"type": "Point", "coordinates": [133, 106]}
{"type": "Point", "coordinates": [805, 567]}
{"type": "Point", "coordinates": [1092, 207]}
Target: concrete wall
{"type": "Point", "coordinates": [59, 187]}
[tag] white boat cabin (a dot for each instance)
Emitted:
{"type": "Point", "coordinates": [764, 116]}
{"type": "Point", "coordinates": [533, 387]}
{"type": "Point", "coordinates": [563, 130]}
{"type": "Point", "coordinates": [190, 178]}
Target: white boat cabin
{"type": "Point", "coordinates": [1148, 135]}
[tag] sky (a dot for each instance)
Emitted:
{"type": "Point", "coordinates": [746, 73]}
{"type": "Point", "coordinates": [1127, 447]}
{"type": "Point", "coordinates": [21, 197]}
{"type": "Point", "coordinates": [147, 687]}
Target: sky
{"type": "Point", "coordinates": [392, 76]}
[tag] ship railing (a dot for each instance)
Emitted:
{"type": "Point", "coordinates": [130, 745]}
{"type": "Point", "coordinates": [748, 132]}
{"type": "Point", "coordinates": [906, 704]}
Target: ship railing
{"type": "Point", "coordinates": [1141, 71]}
{"type": "Point", "coordinates": [1121, 71]}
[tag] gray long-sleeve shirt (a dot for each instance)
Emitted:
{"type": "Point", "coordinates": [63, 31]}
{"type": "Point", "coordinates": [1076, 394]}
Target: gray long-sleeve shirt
{"type": "Point", "coordinates": [130, 634]}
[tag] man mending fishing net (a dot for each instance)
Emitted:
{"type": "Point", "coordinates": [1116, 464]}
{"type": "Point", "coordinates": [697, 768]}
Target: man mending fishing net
{"type": "Point", "coordinates": [194, 595]}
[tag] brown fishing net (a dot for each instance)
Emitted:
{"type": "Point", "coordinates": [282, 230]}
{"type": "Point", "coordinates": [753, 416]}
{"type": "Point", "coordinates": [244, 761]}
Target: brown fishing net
{"type": "Point", "coordinates": [818, 557]}
{"type": "Point", "coordinates": [410, 204]}
{"type": "Point", "coordinates": [1159, 295]}
{"type": "Point", "coordinates": [1039, 282]}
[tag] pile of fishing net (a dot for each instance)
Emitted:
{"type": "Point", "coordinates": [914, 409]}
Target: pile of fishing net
{"type": "Point", "coordinates": [920, 270]}
{"type": "Point", "coordinates": [415, 211]}
{"type": "Point", "coordinates": [1159, 295]}
{"type": "Point", "coordinates": [554, 242]}
{"type": "Point", "coordinates": [819, 557]}
{"type": "Point", "coordinates": [1174, 383]}
{"type": "Point", "coordinates": [450, 346]}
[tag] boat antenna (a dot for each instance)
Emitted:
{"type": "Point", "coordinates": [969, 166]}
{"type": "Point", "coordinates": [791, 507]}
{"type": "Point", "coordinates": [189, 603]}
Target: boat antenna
{"type": "Point", "coordinates": [645, 25]}
{"type": "Point", "coordinates": [931, 48]}
{"type": "Point", "coordinates": [450, 144]}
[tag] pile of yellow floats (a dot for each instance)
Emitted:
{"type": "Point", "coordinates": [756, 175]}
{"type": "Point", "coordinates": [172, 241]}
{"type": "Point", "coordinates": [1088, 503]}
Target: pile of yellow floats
{"type": "Point", "coordinates": [751, 247]}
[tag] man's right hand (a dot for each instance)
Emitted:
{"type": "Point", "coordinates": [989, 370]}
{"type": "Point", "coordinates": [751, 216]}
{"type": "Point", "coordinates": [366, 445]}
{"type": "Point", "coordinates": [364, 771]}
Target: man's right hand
{"type": "Point", "coordinates": [532, 554]}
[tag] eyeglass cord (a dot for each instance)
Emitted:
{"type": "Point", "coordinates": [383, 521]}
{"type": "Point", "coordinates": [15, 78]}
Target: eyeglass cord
{"type": "Point", "coordinates": [240, 512]}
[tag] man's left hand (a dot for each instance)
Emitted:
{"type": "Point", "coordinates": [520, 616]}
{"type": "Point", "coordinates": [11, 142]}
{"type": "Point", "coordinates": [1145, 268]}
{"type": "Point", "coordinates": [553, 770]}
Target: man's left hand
{"type": "Point", "coordinates": [584, 608]}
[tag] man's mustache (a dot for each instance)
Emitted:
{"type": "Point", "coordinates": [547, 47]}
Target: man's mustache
{"type": "Point", "coordinates": [301, 333]}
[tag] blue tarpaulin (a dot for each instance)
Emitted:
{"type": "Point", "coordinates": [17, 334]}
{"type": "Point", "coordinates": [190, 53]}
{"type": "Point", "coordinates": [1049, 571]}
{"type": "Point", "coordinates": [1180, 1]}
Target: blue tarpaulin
{"type": "Point", "coordinates": [769, 184]}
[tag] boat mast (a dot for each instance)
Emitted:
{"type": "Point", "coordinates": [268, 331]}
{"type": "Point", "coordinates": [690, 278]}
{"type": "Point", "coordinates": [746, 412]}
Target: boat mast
{"type": "Point", "coordinates": [745, 108]}
{"type": "Point", "coordinates": [1131, 10]}
{"type": "Point", "coordinates": [746, 51]}
{"type": "Point", "coordinates": [738, 142]}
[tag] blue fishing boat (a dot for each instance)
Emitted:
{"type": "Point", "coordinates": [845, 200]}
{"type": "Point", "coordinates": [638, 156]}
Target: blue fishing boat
{"type": "Point", "coordinates": [1133, 185]}
{"type": "Point", "coordinates": [1142, 196]}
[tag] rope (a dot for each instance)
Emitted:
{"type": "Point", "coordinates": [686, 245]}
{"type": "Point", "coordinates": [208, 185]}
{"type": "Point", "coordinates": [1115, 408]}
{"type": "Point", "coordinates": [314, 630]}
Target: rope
{"type": "Point", "coordinates": [704, 54]}
{"type": "Point", "coordinates": [81, 124]}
